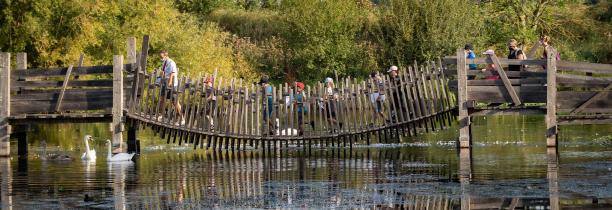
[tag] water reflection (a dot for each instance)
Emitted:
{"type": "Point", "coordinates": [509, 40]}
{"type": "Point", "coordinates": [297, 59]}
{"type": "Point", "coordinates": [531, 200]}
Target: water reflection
{"type": "Point", "coordinates": [246, 179]}
{"type": "Point", "coordinates": [553, 177]}
{"type": "Point", "coordinates": [427, 172]}
{"type": "Point", "coordinates": [465, 175]}
{"type": "Point", "coordinates": [117, 171]}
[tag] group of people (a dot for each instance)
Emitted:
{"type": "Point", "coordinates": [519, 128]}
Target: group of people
{"type": "Point", "coordinates": [327, 103]}
{"type": "Point", "coordinates": [514, 52]}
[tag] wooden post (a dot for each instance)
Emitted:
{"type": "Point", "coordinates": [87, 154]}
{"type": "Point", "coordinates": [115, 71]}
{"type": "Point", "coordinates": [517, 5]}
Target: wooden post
{"type": "Point", "coordinates": [81, 60]}
{"type": "Point", "coordinates": [551, 98]}
{"type": "Point", "coordinates": [464, 118]}
{"type": "Point", "coordinates": [5, 105]}
{"type": "Point", "coordinates": [131, 59]}
{"type": "Point", "coordinates": [132, 146]}
{"type": "Point", "coordinates": [21, 132]}
{"type": "Point", "coordinates": [117, 124]}
{"type": "Point", "coordinates": [21, 60]}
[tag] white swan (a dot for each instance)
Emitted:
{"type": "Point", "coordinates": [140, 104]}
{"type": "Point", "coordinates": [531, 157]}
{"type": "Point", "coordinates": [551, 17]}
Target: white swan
{"type": "Point", "coordinates": [119, 156]}
{"type": "Point", "coordinates": [89, 154]}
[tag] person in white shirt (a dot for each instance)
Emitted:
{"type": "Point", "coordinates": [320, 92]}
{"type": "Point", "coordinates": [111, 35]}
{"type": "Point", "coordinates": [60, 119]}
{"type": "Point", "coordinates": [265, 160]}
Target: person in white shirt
{"type": "Point", "coordinates": [169, 82]}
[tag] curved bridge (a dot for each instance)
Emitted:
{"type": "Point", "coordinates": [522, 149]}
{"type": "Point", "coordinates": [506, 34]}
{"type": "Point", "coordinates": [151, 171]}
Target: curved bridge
{"type": "Point", "coordinates": [234, 112]}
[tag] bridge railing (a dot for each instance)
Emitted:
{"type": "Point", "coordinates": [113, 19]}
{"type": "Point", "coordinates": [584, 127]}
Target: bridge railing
{"type": "Point", "coordinates": [419, 96]}
{"type": "Point", "coordinates": [577, 82]}
{"type": "Point", "coordinates": [57, 91]}
{"type": "Point", "coordinates": [570, 92]}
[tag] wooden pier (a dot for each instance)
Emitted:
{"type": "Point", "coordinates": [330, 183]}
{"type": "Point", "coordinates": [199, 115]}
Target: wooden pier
{"type": "Point", "coordinates": [566, 92]}
{"type": "Point", "coordinates": [229, 113]}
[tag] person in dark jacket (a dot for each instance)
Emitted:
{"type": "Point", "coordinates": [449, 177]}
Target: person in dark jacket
{"type": "Point", "coordinates": [515, 53]}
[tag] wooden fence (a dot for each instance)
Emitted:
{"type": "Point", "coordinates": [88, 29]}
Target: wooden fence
{"type": "Point", "coordinates": [568, 92]}
{"type": "Point", "coordinates": [417, 98]}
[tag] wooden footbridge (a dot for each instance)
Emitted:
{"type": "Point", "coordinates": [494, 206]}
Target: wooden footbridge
{"type": "Point", "coordinates": [229, 114]}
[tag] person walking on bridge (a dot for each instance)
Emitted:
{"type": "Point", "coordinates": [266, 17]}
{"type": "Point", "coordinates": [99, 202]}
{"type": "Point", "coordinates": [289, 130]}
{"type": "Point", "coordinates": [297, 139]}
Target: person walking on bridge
{"type": "Point", "coordinates": [268, 104]}
{"type": "Point", "coordinates": [331, 98]}
{"type": "Point", "coordinates": [211, 100]}
{"type": "Point", "coordinates": [300, 97]}
{"type": "Point", "coordinates": [398, 110]}
{"type": "Point", "coordinates": [377, 96]}
{"type": "Point", "coordinates": [169, 84]}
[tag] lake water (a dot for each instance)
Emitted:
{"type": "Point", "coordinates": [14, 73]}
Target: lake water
{"type": "Point", "coordinates": [510, 166]}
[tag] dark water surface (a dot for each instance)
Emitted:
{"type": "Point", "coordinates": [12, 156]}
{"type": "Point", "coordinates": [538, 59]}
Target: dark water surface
{"type": "Point", "coordinates": [510, 166]}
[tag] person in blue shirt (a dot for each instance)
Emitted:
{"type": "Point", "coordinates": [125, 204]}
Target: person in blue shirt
{"type": "Point", "coordinates": [301, 109]}
{"type": "Point", "coordinates": [470, 55]}
{"type": "Point", "coordinates": [268, 102]}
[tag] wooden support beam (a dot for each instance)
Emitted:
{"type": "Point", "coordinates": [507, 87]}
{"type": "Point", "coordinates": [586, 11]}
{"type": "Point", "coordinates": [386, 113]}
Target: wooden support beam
{"type": "Point", "coordinates": [21, 60]}
{"type": "Point", "coordinates": [117, 124]}
{"type": "Point", "coordinates": [81, 61]}
{"type": "Point", "coordinates": [551, 99]}
{"type": "Point", "coordinates": [58, 105]}
{"type": "Point", "coordinates": [5, 105]}
{"type": "Point", "coordinates": [534, 48]}
{"type": "Point", "coordinates": [462, 103]}
{"type": "Point", "coordinates": [502, 74]}
{"type": "Point", "coordinates": [592, 99]}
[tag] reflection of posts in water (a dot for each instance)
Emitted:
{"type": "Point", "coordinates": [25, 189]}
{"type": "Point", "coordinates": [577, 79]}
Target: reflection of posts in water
{"type": "Point", "coordinates": [465, 175]}
{"type": "Point", "coordinates": [118, 171]}
{"type": "Point", "coordinates": [6, 199]}
{"type": "Point", "coordinates": [552, 174]}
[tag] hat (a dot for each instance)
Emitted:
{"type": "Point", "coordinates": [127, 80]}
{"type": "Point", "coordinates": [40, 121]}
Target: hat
{"type": "Point", "coordinates": [299, 85]}
{"type": "Point", "coordinates": [328, 79]}
{"type": "Point", "coordinates": [489, 52]}
{"type": "Point", "coordinates": [393, 68]}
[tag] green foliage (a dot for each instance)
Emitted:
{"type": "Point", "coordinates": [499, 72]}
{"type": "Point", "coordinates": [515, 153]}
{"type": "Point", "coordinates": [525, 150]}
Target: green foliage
{"type": "Point", "coordinates": [408, 30]}
{"type": "Point", "coordinates": [55, 33]}
{"type": "Point", "coordinates": [322, 37]}
{"type": "Point", "coordinates": [304, 40]}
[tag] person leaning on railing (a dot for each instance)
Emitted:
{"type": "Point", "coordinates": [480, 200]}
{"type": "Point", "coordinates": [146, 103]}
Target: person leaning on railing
{"type": "Point", "coordinates": [490, 67]}
{"type": "Point", "coordinates": [471, 56]}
